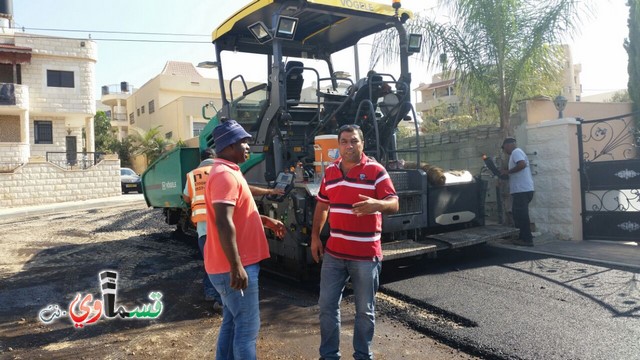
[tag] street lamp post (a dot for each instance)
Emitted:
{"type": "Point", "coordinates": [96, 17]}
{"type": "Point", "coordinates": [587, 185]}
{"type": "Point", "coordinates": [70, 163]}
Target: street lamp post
{"type": "Point", "coordinates": [560, 102]}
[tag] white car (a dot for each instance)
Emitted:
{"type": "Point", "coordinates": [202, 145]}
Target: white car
{"type": "Point", "coordinates": [130, 181]}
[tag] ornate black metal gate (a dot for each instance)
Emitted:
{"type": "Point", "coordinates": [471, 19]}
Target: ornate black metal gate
{"type": "Point", "coordinates": [609, 179]}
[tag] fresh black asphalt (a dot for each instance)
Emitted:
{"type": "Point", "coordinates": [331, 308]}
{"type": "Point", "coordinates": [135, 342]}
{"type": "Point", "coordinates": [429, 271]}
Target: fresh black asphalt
{"type": "Point", "coordinates": [520, 305]}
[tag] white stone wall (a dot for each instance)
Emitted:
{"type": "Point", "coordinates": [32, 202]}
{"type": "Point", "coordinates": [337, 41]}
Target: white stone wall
{"type": "Point", "coordinates": [65, 55]}
{"type": "Point", "coordinates": [59, 132]}
{"type": "Point", "coordinates": [67, 108]}
{"type": "Point", "coordinates": [22, 96]}
{"type": "Point", "coordinates": [552, 150]}
{"type": "Point", "coordinates": [39, 182]}
{"type": "Point", "coordinates": [12, 155]}
{"type": "Point", "coordinates": [555, 208]}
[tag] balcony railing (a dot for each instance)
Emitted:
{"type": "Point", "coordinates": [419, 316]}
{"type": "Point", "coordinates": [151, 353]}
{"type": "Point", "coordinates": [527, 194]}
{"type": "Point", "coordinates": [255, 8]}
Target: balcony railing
{"type": "Point", "coordinates": [119, 117]}
{"type": "Point", "coordinates": [14, 94]}
{"type": "Point", "coordinates": [7, 94]}
{"type": "Point", "coordinates": [432, 103]}
{"type": "Point", "coordinates": [74, 160]}
{"type": "Point", "coordinates": [122, 88]}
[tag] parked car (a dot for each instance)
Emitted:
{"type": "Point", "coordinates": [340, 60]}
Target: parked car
{"type": "Point", "coordinates": [130, 181]}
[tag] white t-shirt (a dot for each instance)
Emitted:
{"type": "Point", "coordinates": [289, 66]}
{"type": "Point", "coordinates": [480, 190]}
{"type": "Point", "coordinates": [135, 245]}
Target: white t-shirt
{"type": "Point", "coordinates": [522, 181]}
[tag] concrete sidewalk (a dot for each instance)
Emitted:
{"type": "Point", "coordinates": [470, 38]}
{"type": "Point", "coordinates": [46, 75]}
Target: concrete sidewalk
{"type": "Point", "coordinates": [608, 253]}
{"type": "Point", "coordinates": [20, 212]}
{"type": "Point", "coordinates": [602, 252]}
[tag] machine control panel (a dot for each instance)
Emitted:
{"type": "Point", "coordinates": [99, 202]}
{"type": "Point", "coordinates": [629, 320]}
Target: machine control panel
{"type": "Point", "coordinates": [283, 182]}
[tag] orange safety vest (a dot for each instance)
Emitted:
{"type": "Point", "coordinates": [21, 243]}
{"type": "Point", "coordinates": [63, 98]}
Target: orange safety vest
{"type": "Point", "coordinates": [196, 181]}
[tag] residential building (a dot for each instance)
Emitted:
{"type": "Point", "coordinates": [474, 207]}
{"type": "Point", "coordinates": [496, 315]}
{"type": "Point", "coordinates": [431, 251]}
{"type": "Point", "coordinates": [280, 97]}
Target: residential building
{"type": "Point", "coordinates": [602, 97]}
{"type": "Point", "coordinates": [47, 105]}
{"type": "Point", "coordinates": [571, 85]}
{"type": "Point", "coordinates": [46, 96]}
{"type": "Point", "coordinates": [442, 90]}
{"type": "Point", "coordinates": [102, 107]}
{"type": "Point", "coordinates": [114, 99]}
{"type": "Point", "coordinates": [174, 100]}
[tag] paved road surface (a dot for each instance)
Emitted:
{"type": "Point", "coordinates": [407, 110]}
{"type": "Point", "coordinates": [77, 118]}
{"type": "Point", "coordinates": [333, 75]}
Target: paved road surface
{"type": "Point", "coordinates": [515, 304]}
{"type": "Point", "coordinates": [47, 259]}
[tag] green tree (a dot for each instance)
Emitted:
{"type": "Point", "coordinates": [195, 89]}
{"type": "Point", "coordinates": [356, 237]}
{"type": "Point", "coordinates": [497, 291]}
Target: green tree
{"type": "Point", "coordinates": [404, 132]}
{"type": "Point", "coordinates": [499, 50]}
{"type": "Point", "coordinates": [633, 50]}
{"type": "Point", "coordinates": [619, 96]}
{"type": "Point", "coordinates": [105, 139]}
{"type": "Point", "coordinates": [151, 144]}
{"type": "Point", "coordinates": [124, 148]}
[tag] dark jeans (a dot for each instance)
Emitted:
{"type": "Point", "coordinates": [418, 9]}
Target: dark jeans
{"type": "Point", "coordinates": [209, 289]}
{"type": "Point", "coordinates": [520, 209]}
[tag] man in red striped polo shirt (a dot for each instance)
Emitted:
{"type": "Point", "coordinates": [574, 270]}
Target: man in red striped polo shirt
{"type": "Point", "coordinates": [354, 193]}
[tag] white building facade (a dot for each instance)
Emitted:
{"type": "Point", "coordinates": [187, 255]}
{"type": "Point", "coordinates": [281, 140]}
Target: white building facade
{"type": "Point", "coordinates": [46, 97]}
{"type": "Point", "coordinates": [47, 105]}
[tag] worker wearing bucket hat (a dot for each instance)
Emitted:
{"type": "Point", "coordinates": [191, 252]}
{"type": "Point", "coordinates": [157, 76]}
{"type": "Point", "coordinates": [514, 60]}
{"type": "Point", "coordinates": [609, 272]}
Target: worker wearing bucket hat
{"type": "Point", "coordinates": [236, 243]}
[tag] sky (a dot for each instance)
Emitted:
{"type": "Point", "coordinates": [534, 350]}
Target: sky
{"type": "Point", "coordinates": [598, 47]}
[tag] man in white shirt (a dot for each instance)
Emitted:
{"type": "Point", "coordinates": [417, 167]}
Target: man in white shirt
{"type": "Point", "coordinates": [521, 189]}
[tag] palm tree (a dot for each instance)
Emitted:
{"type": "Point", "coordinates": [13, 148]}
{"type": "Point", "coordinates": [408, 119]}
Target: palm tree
{"type": "Point", "coordinates": [497, 49]}
{"type": "Point", "coordinates": [151, 144]}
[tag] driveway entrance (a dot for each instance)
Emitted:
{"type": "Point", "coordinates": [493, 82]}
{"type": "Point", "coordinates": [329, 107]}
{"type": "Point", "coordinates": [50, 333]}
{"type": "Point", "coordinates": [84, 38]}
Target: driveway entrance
{"type": "Point", "coordinates": [609, 179]}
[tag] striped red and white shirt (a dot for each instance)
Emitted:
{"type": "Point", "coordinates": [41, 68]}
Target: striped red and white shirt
{"type": "Point", "coordinates": [354, 237]}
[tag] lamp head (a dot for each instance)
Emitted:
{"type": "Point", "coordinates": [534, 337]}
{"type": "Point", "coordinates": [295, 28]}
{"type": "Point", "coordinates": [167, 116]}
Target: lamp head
{"type": "Point", "coordinates": [560, 102]}
{"type": "Point", "coordinates": [260, 32]}
{"type": "Point", "coordinates": [415, 43]}
{"type": "Point", "coordinates": [286, 28]}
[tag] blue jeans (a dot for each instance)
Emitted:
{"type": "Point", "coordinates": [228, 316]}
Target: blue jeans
{"type": "Point", "coordinates": [209, 290]}
{"type": "Point", "coordinates": [365, 280]}
{"type": "Point", "coordinates": [240, 316]}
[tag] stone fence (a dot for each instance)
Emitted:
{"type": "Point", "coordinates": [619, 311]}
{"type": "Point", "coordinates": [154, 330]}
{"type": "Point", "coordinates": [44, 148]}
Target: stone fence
{"type": "Point", "coordinates": [551, 145]}
{"type": "Point", "coordinates": [40, 182]}
{"type": "Point", "coordinates": [462, 150]}
{"type": "Point", "coordinates": [456, 149]}
{"type": "Point", "coordinates": [557, 205]}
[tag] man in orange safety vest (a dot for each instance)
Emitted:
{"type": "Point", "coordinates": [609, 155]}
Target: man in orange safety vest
{"type": "Point", "coordinates": [193, 194]}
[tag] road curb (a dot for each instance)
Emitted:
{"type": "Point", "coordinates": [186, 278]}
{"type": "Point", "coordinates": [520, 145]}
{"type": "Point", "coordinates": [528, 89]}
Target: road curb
{"type": "Point", "coordinates": [567, 256]}
{"type": "Point", "coordinates": [37, 210]}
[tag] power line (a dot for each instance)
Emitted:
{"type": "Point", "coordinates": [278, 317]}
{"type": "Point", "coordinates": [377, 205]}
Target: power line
{"type": "Point", "coordinates": [114, 32]}
{"type": "Point", "coordinates": [116, 39]}
{"type": "Point", "coordinates": [153, 41]}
